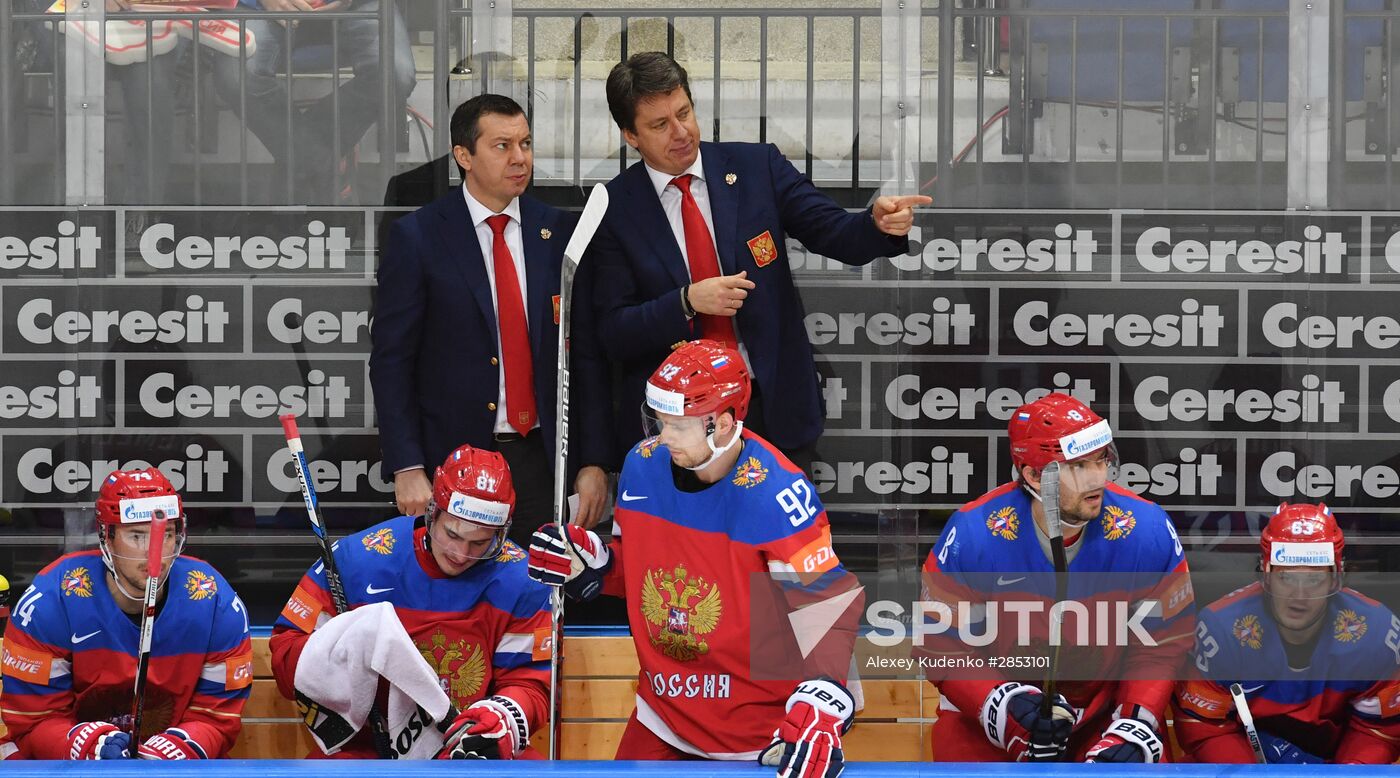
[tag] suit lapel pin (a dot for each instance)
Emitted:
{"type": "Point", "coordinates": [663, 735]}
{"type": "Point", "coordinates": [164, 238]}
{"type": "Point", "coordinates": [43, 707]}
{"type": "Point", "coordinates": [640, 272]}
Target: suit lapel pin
{"type": "Point", "coordinates": [730, 178]}
{"type": "Point", "coordinates": [545, 234]}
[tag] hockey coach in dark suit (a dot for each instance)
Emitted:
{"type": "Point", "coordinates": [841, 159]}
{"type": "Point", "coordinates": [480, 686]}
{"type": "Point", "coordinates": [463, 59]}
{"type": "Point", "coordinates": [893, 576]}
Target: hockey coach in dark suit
{"type": "Point", "coordinates": [693, 246]}
{"type": "Point", "coordinates": [466, 326]}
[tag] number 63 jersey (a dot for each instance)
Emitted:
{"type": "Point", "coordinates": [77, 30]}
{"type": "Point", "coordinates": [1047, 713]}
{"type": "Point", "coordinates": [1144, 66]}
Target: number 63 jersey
{"type": "Point", "coordinates": [710, 576]}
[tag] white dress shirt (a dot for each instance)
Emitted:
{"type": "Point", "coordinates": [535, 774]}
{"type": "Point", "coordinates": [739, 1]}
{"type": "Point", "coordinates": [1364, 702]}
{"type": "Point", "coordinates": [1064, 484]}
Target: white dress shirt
{"type": "Point", "coordinates": [671, 204]}
{"type": "Point", "coordinates": [486, 238]}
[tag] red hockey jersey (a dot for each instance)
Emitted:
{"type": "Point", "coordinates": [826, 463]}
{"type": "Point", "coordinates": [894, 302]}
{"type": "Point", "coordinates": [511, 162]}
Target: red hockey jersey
{"type": "Point", "coordinates": [700, 570]}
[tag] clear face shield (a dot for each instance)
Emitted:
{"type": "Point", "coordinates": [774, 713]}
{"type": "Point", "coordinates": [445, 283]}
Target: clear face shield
{"type": "Point", "coordinates": [1082, 481]}
{"type": "Point", "coordinates": [1302, 583]}
{"type": "Point", "coordinates": [684, 434]}
{"type": "Point", "coordinates": [124, 548]}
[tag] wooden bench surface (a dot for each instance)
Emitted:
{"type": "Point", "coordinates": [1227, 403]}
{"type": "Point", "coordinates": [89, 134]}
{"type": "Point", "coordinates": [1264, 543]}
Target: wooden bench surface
{"type": "Point", "coordinates": [599, 687]}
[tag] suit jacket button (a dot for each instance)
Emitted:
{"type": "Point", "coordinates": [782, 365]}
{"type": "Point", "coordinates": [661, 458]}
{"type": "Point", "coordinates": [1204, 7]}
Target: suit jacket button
{"type": "Point", "coordinates": [490, 406]}
{"type": "Point", "coordinates": [495, 361]}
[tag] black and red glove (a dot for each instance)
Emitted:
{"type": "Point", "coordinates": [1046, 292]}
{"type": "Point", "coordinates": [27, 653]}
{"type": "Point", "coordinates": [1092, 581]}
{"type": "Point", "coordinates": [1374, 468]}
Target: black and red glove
{"type": "Point", "coordinates": [493, 728]}
{"type": "Point", "coordinates": [576, 559]}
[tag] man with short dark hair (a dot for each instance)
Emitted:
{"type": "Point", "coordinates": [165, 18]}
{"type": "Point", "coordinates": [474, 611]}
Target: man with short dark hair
{"type": "Point", "coordinates": [467, 322]}
{"type": "Point", "coordinates": [694, 245]}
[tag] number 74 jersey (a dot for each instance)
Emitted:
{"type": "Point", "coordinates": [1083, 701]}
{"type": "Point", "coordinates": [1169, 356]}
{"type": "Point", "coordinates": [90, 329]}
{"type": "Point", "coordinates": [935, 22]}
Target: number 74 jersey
{"type": "Point", "coordinates": [710, 577]}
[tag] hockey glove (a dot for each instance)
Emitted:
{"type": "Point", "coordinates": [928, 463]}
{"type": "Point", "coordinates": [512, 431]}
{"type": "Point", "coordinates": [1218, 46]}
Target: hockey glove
{"type": "Point", "coordinates": [173, 743]}
{"type": "Point", "coordinates": [577, 564]}
{"type": "Point", "coordinates": [1012, 721]}
{"type": "Point", "coordinates": [1280, 751]}
{"type": "Point", "coordinates": [808, 742]}
{"type": "Point", "coordinates": [493, 728]}
{"type": "Point", "coordinates": [98, 740]}
{"type": "Point", "coordinates": [1127, 740]}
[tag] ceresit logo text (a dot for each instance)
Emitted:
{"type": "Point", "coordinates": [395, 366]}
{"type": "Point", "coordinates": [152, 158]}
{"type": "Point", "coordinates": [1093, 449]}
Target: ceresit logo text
{"type": "Point", "coordinates": [72, 248]}
{"type": "Point", "coordinates": [319, 249]}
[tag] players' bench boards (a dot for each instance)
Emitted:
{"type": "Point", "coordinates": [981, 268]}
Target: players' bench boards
{"type": "Point", "coordinates": [600, 681]}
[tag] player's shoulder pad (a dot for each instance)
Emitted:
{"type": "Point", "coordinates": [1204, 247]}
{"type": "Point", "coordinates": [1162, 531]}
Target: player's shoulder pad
{"type": "Point", "coordinates": [380, 542]}
{"type": "Point", "coordinates": [1363, 625]}
{"type": "Point", "coordinates": [511, 574]}
{"type": "Point", "coordinates": [197, 580]}
{"type": "Point", "coordinates": [1246, 599]}
{"type": "Point", "coordinates": [778, 499]}
{"type": "Point", "coordinates": [647, 451]}
{"type": "Point", "coordinates": [1128, 517]}
{"type": "Point", "coordinates": [73, 574]}
{"type": "Point", "coordinates": [997, 517]}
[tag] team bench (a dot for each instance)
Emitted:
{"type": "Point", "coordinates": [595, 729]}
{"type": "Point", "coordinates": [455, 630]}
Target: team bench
{"type": "Point", "coordinates": [600, 681]}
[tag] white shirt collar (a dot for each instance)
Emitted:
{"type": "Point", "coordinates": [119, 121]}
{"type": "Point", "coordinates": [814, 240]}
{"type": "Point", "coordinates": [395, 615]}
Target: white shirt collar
{"type": "Point", "coordinates": [480, 213]}
{"type": "Point", "coordinates": [662, 180]}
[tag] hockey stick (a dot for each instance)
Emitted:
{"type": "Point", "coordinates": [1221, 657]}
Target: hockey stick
{"type": "Point", "coordinates": [155, 545]}
{"type": "Point", "coordinates": [588, 222]}
{"type": "Point", "coordinates": [1050, 504]}
{"type": "Point", "coordinates": [378, 730]}
{"type": "Point", "coordinates": [1247, 719]}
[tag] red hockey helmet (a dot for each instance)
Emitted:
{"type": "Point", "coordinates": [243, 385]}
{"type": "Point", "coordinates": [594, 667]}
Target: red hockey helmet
{"type": "Point", "coordinates": [133, 496]}
{"type": "Point", "coordinates": [700, 378]}
{"type": "Point", "coordinates": [474, 485]}
{"type": "Point", "coordinates": [1057, 427]}
{"type": "Point", "coordinates": [1302, 535]}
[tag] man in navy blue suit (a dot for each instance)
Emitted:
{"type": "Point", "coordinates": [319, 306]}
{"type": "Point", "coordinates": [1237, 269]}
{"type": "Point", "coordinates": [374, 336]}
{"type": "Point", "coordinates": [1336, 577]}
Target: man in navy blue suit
{"type": "Point", "coordinates": [693, 246]}
{"type": "Point", "coordinates": [466, 327]}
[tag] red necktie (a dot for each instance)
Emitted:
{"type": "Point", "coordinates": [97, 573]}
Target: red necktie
{"type": "Point", "coordinates": [700, 250]}
{"type": "Point", "coordinates": [515, 332]}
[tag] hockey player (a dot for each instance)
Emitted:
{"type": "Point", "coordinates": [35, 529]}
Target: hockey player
{"type": "Point", "coordinates": [71, 646]}
{"type": "Point", "coordinates": [710, 511]}
{"type": "Point", "coordinates": [1119, 547]}
{"type": "Point", "coordinates": [1322, 656]}
{"type": "Point", "coordinates": [460, 590]}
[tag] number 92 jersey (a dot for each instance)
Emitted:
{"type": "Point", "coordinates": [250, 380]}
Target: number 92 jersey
{"type": "Point", "coordinates": [704, 573]}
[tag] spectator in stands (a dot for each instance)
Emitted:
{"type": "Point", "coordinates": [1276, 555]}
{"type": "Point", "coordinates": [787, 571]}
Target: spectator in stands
{"type": "Point", "coordinates": [308, 145]}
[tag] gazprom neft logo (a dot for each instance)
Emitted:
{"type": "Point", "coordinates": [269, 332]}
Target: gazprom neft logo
{"type": "Point", "coordinates": [665, 400]}
{"type": "Point", "coordinates": [143, 509]}
{"type": "Point", "coordinates": [1302, 554]}
{"type": "Point", "coordinates": [1086, 440]}
{"type": "Point", "coordinates": [465, 506]}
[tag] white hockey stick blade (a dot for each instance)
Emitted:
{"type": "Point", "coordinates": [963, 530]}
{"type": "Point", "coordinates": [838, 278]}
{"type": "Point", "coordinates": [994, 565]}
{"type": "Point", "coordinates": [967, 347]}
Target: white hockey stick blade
{"type": "Point", "coordinates": [588, 222]}
{"type": "Point", "coordinates": [1247, 721]}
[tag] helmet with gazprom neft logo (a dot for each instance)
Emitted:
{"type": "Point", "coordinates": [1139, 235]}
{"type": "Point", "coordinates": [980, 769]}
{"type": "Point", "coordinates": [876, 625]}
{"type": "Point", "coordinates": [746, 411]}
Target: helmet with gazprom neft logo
{"type": "Point", "coordinates": [1057, 427]}
{"type": "Point", "coordinates": [474, 485]}
{"type": "Point", "coordinates": [700, 378]}
{"type": "Point", "coordinates": [1302, 535]}
{"type": "Point", "coordinates": [133, 497]}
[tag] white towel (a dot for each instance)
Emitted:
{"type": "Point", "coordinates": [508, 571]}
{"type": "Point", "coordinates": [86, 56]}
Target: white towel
{"type": "Point", "coordinates": [338, 675]}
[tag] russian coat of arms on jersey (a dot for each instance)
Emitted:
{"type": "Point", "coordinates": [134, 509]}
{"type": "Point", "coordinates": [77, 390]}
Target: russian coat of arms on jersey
{"type": "Point", "coordinates": [76, 582]}
{"type": "Point", "coordinates": [460, 668]}
{"type": "Point", "coordinates": [679, 609]}
{"type": "Point", "coordinates": [1004, 523]}
{"type": "Point", "coordinates": [200, 585]}
{"type": "Point", "coordinates": [380, 541]}
{"type": "Point", "coordinates": [750, 473]}
{"type": "Point", "coordinates": [1117, 523]}
{"type": "Point", "coordinates": [1349, 627]}
{"type": "Point", "coordinates": [1248, 631]}
{"type": "Point", "coordinates": [647, 447]}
